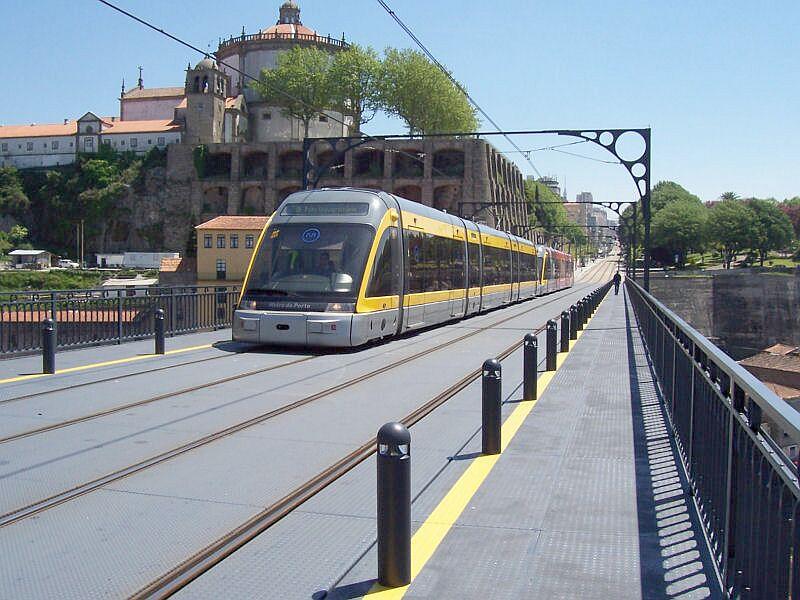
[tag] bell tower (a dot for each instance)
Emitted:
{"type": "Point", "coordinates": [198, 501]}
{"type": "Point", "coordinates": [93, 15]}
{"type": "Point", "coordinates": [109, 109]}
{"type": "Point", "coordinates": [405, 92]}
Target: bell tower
{"type": "Point", "coordinates": [206, 89]}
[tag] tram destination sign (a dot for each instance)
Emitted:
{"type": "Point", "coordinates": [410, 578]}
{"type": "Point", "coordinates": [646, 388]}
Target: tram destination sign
{"type": "Point", "coordinates": [326, 209]}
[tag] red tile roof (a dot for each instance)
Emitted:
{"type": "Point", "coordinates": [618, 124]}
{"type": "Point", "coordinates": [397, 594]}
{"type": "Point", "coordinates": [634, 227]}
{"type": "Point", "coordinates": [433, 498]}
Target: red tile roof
{"type": "Point", "coordinates": [43, 130]}
{"type": "Point", "coordinates": [178, 265]}
{"type": "Point", "coordinates": [235, 222]}
{"type": "Point", "coordinates": [156, 126]}
{"type": "Point", "coordinates": [151, 93]}
{"type": "Point", "coordinates": [288, 29]}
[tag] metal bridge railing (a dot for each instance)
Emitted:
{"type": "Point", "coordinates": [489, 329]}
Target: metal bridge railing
{"type": "Point", "coordinates": [98, 316]}
{"type": "Point", "coordinates": [745, 487]}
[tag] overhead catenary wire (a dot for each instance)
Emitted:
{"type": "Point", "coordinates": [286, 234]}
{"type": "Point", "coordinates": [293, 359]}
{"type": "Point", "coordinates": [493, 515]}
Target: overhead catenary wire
{"type": "Point", "coordinates": [279, 90]}
{"type": "Point", "coordinates": [454, 81]}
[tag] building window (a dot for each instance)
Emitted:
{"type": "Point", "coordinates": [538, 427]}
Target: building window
{"type": "Point", "coordinates": [122, 142]}
{"type": "Point", "coordinates": [54, 145]}
{"type": "Point", "coordinates": [221, 269]}
{"type": "Point", "coordinates": [207, 240]}
{"type": "Point", "coordinates": [44, 145]}
{"type": "Point", "coordinates": [30, 146]}
{"type": "Point", "coordinates": [134, 142]}
{"type": "Point", "coordinates": [221, 241]}
{"type": "Point", "coordinates": [199, 106]}
{"type": "Point", "coordinates": [71, 144]}
{"type": "Point", "coordinates": [149, 142]}
{"type": "Point", "coordinates": [89, 129]}
{"type": "Point", "coordinates": [266, 116]}
{"type": "Point", "coordinates": [161, 141]}
{"type": "Point", "coordinates": [234, 240]}
{"type": "Point", "coordinates": [248, 241]}
{"type": "Point", "coordinates": [107, 142]}
{"type": "Point", "coordinates": [323, 118]}
{"type": "Point", "coordinates": [5, 147]}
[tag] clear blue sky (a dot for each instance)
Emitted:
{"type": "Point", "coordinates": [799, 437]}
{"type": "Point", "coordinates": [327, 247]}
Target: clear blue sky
{"type": "Point", "coordinates": [717, 81]}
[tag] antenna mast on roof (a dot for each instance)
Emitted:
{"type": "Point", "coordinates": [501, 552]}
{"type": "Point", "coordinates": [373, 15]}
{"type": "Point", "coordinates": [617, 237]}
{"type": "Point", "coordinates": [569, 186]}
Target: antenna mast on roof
{"type": "Point", "coordinates": [141, 83]}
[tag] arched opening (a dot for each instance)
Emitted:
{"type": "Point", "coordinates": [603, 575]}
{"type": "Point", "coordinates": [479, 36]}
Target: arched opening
{"type": "Point", "coordinates": [205, 84]}
{"type": "Point", "coordinates": [448, 163]}
{"type": "Point", "coordinates": [334, 161]}
{"type": "Point", "coordinates": [409, 162]}
{"type": "Point", "coordinates": [196, 85]}
{"type": "Point", "coordinates": [215, 200]}
{"type": "Point", "coordinates": [446, 197]}
{"type": "Point", "coordinates": [89, 129]}
{"type": "Point", "coordinates": [253, 201]}
{"type": "Point", "coordinates": [290, 164]}
{"type": "Point", "coordinates": [217, 166]}
{"type": "Point", "coordinates": [409, 192]}
{"type": "Point", "coordinates": [368, 163]}
{"type": "Point", "coordinates": [284, 192]}
{"type": "Point", "coordinates": [255, 165]}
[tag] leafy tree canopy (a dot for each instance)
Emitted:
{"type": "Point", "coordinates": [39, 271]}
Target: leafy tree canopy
{"type": "Point", "coordinates": [666, 192]}
{"type": "Point", "coordinates": [13, 199]}
{"type": "Point", "coordinates": [773, 229]}
{"type": "Point", "coordinates": [353, 78]}
{"type": "Point", "coordinates": [680, 227]}
{"type": "Point", "coordinates": [299, 84]}
{"type": "Point", "coordinates": [732, 226]}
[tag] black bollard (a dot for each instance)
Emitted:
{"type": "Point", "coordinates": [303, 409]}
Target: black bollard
{"type": "Point", "coordinates": [565, 331]}
{"type": "Point", "coordinates": [159, 318]}
{"type": "Point", "coordinates": [552, 343]}
{"type": "Point", "coordinates": [573, 322]}
{"type": "Point", "coordinates": [530, 359]}
{"type": "Point", "coordinates": [492, 398]}
{"type": "Point", "coordinates": [580, 310]}
{"type": "Point", "coordinates": [394, 505]}
{"type": "Point", "coordinates": [48, 346]}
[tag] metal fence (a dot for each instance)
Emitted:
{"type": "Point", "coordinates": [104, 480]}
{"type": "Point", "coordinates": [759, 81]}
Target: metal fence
{"type": "Point", "coordinates": [97, 316]}
{"type": "Point", "coordinates": [724, 421]}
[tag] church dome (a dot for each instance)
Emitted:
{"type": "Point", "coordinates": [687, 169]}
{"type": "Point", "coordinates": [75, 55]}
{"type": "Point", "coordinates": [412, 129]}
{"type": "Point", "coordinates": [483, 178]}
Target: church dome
{"type": "Point", "coordinates": [289, 22]}
{"type": "Point", "coordinates": [206, 63]}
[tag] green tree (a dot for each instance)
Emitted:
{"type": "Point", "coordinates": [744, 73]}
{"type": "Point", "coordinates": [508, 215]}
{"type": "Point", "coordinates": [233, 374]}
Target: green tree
{"type": "Point", "coordinates": [791, 208]}
{"type": "Point", "coordinates": [666, 192]}
{"type": "Point", "coordinates": [13, 199]}
{"type": "Point", "coordinates": [417, 91]}
{"type": "Point", "coordinates": [545, 208]}
{"type": "Point", "coordinates": [299, 84]}
{"type": "Point", "coordinates": [731, 228]}
{"type": "Point", "coordinates": [353, 79]}
{"type": "Point", "coordinates": [680, 227]}
{"type": "Point", "coordinates": [729, 196]}
{"type": "Point", "coordinates": [773, 229]}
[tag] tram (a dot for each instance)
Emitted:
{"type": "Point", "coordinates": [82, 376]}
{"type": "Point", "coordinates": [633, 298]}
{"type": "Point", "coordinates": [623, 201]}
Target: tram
{"type": "Point", "coordinates": [343, 267]}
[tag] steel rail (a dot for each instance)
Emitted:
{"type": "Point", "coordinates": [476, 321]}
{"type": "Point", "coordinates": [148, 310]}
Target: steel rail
{"type": "Point", "coordinates": [202, 561]}
{"type": "Point", "coordinates": [164, 396]}
{"type": "Point", "coordinates": [107, 379]}
{"type": "Point", "coordinates": [29, 510]}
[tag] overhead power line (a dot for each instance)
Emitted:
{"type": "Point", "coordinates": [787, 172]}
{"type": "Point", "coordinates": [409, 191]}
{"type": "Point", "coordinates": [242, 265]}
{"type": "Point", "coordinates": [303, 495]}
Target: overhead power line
{"type": "Point", "coordinates": [436, 62]}
{"type": "Point", "coordinates": [281, 91]}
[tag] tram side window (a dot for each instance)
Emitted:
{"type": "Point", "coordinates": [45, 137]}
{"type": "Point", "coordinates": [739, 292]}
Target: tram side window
{"type": "Point", "coordinates": [384, 280]}
{"type": "Point", "coordinates": [435, 263]}
{"type": "Point", "coordinates": [474, 265]}
{"type": "Point", "coordinates": [457, 259]}
{"type": "Point", "coordinates": [416, 273]}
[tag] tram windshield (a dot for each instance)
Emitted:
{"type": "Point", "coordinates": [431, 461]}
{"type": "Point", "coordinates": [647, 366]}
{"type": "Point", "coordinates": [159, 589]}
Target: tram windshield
{"type": "Point", "coordinates": [310, 262]}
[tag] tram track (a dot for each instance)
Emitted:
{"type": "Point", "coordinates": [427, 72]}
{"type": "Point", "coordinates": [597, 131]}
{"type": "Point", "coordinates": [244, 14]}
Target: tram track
{"type": "Point", "coordinates": [40, 506]}
{"type": "Point", "coordinates": [202, 561]}
{"type": "Point", "coordinates": [74, 386]}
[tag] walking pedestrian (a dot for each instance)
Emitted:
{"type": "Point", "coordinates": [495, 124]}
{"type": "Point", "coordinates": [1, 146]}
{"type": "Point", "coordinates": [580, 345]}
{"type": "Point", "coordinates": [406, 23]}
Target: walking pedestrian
{"type": "Point", "coordinates": [617, 278]}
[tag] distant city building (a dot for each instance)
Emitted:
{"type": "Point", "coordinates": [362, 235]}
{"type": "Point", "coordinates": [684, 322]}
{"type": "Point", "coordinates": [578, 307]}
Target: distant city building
{"type": "Point", "coordinates": [224, 247]}
{"type": "Point", "coordinates": [252, 154]}
{"type": "Point", "coordinates": [552, 183]}
{"type": "Point", "coordinates": [30, 259]}
{"type": "Point", "coordinates": [585, 197]}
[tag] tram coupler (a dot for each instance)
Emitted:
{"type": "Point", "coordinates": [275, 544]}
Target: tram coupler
{"type": "Point", "coordinates": [394, 505]}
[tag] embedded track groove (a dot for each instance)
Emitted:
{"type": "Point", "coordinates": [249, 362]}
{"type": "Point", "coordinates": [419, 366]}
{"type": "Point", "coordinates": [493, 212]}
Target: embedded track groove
{"type": "Point", "coordinates": [202, 561]}
{"type": "Point", "coordinates": [90, 486]}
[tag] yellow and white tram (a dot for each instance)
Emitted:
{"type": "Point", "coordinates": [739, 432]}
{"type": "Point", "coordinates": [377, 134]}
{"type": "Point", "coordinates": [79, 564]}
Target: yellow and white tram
{"type": "Point", "coordinates": [342, 267]}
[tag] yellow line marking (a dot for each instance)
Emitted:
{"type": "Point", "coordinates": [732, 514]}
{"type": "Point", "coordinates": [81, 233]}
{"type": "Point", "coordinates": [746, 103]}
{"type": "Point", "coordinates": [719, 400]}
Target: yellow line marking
{"type": "Point", "coordinates": [107, 363]}
{"type": "Point", "coordinates": [432, 531]}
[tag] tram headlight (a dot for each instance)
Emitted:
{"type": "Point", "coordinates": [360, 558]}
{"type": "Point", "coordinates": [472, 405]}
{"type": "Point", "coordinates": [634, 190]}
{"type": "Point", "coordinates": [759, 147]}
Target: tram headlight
{"type": "Point", "coordinates": [340, 307]}
{"type": "Point", "coordinates": [250, 305]}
